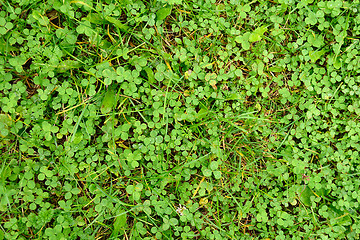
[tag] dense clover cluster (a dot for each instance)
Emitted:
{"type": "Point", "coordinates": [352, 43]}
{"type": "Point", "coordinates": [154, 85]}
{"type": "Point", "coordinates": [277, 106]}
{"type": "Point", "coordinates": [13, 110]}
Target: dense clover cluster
{"type": "Point", "coordinates": [179, 119]}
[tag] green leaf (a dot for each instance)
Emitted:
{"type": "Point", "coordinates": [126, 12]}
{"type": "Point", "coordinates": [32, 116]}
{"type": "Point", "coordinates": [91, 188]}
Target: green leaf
{"type": "Point", "coordinates": [162, 13]}
{"type": "Point", "coordinates": [214, 165]}
{"type": "Point", "coordinates": [5, 173]}
{"type": "Point", "coordinates": [5, 47]}
{"type": "Point", "coordinates": [203, 112]}
{"type": "Point", "coordinates": [173, 221]}
{"type": "Point", "coordinates": [337, 48]}
{"type": "Point", "coordinates": [336, 62]}
{"type": "Point", "coordinates": [107, 81]}
{"type": "Point", "coordinates": [337, 217]}
{"type": "Point", "coordinates": [108, 101]}
{"type": "Point", "coordinates": [43, 20]}
{"type": "Point", "coordinates": [305, 196]}
{"type": "Point", "coordinates": [17, 61]}
{"type": "Point", "coordinates": [257, 34]}
{"type": "Point", "coordinates": [67, 65]}
{"type": "Point", "coordinates": [117, 23]}
{"type": "Point", "coordinates": [150, 74]}
{"type": "Point", "coordinates": [260, 66]}
{"type": "Point", "coordinates": [130, 189]}
{"type": "Point", "coordinates": [139, 187]}
{"type": "Point", "coordinates": [95, 18]}
{"type": "Point", "coordinates": [217, 174]}
{"type": "Point", "coordinates": [315, 55]}
{"type": "Point", "coordinates": [6, 120]}
{"type": "Point", "coordinates": [5, 123]}
{"type": "Point", "coordinates": [276, 69]}
{"type": "Point", "coordinates": [78, 137]}
{"type": "Point", "coordinates": [120, 223]}
{"type": "Point", "coordinates": [244, 40]}
{"type": "Point", "coordinates": [207, 172]}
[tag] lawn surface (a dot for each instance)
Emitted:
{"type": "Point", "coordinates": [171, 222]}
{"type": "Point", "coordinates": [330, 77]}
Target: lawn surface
{"type": "Point", "coordinates": [179, 119]}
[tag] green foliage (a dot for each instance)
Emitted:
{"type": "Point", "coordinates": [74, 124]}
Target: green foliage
{"type": "Point", "coordinates": [177, 119]}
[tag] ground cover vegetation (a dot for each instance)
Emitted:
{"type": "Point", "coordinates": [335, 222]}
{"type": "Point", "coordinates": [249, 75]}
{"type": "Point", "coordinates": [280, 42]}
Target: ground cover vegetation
{"type": "Point", "coordinates": [179, 119]}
